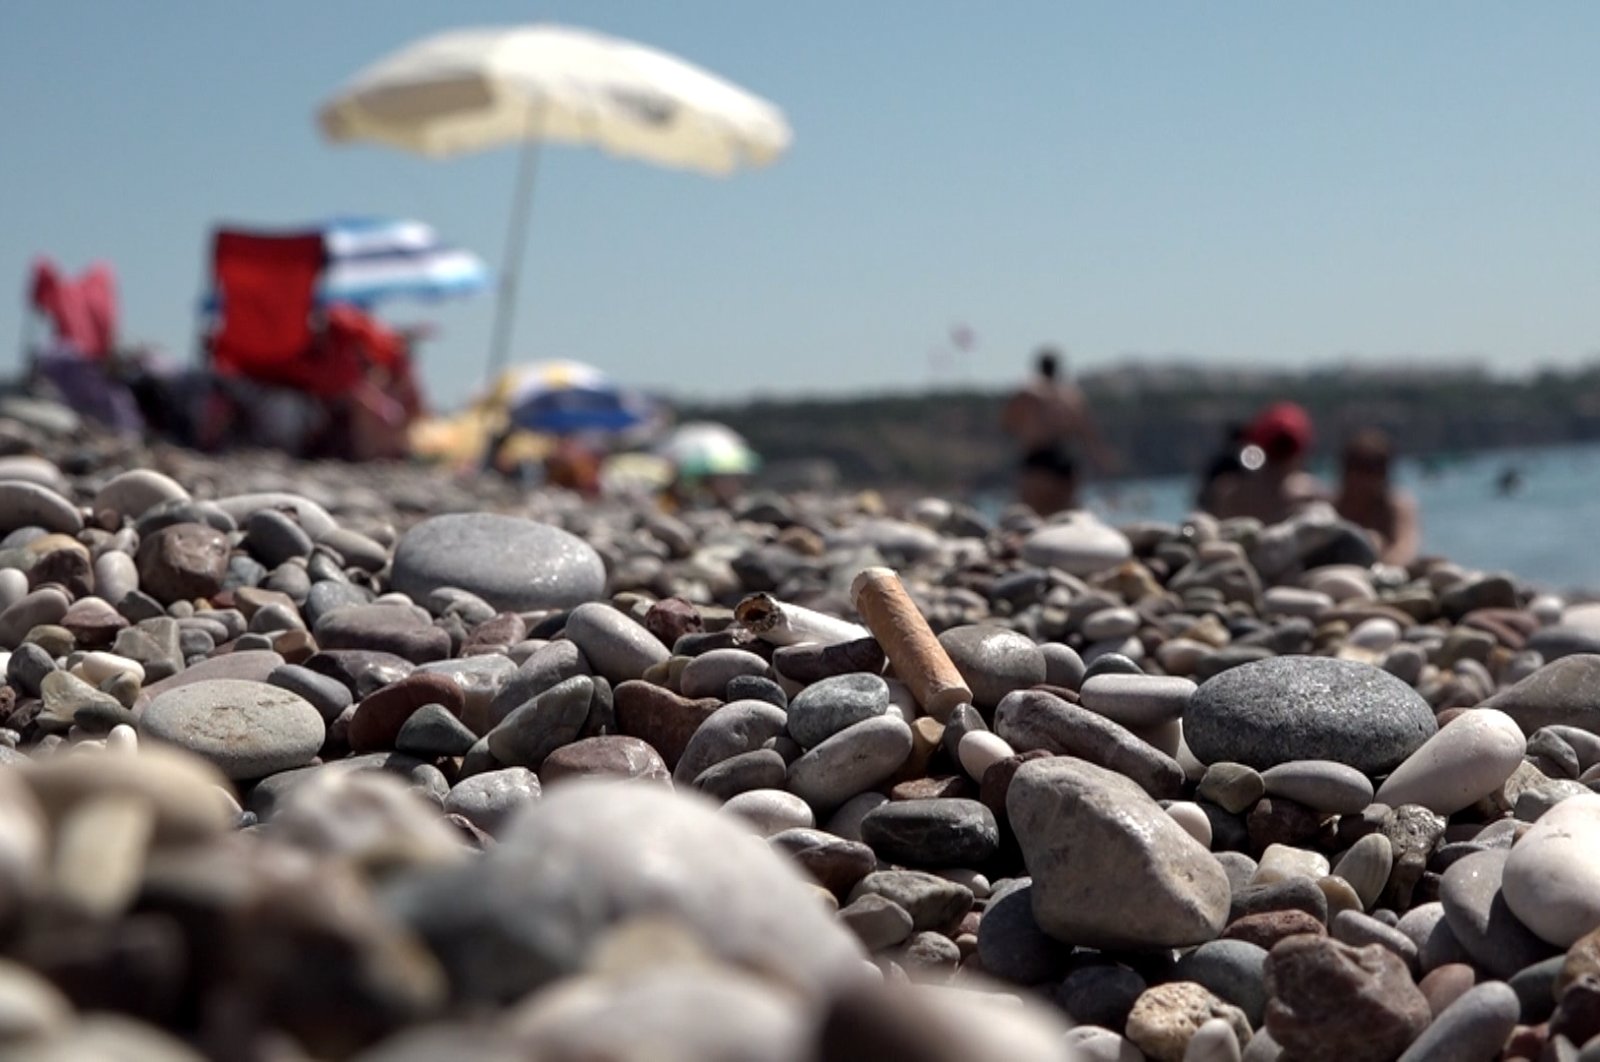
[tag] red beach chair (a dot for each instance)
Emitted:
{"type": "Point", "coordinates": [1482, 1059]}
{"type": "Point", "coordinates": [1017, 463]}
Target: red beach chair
{"type": "Point", "coordinates": [267, 328]}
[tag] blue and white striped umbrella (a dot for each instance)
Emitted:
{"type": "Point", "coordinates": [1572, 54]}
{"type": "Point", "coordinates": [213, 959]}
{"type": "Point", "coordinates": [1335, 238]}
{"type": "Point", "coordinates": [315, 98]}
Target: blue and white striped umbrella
{"type": "Point", "coordinates": [372, 259]}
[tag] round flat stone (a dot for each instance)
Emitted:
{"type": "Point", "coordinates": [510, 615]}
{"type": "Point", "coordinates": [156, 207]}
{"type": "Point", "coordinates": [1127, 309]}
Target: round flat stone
{"type": "Point", "coordinates": [932, 833]}
{"type": "Point", "coordinates": [824, 708]}
{"type": "Point", "coordinates": [614, 645]}
{"type": "Point", "coordinates": [136, 490]}
{"type": "Point", "coordinates": [510, 562]}
{"type": "Point", "coordinates": [852, 761]}
{"type": "Point", "coordinates": [247, 729]}
{"type": "Point", "coordinates": [1303, 707]}
{"type": "Point", "coordinates": [1081, 545]}
{"type": "Point", "coordinates": [993, 661]}
{"type": "Point", "coordinates": [24, 504]}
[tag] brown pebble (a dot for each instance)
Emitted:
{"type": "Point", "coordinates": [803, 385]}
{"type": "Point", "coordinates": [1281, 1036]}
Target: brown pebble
{"type": "Point", "coordinates": [664, 719]}
{"type": "Point", "coordinates": [1267, 928]}
{"type": "Point", "coordinates": [377, 720]}
{"type": "Point", "coordinates": [1526, 1042]}
{"type": "Point", "coordinates": [1445, 984]}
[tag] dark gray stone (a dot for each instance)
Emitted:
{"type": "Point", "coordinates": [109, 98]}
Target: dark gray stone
{"type": "Point", "coordinates": [272, 537]}
{"type": "Point", "coordinates": [824, 708]}
{"type": "Point", "coordinates": [1307, 708]}
{"type": "Point", "coordinates": [327, 695]}
{"type": "Point", "coordinates": [1011, 945]}
{"type": "Point", "coordinates": [1100, 995]}
{"type": "Point", "coordinates": [993, 661]}
{"type": "Point", "coordinates": [934, 903]}
{"type": "Point", "coordinates": [947, 832]}
{"type": "Point", "coordinates": [431, 732]}
{"type": "Point", "coordinates": [552, 719]}
{"type": "Point", "coordinates": [736, 728]}
{"type": "Point", "coordinates": [512, 563]}
{"type": "Point", "coordinates": [1232, 970]}
{"type": "Point", "coordinates": [726, 779]}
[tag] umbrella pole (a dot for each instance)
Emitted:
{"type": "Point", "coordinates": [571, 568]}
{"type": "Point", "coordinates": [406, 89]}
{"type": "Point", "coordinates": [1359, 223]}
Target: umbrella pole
{"type": "Point", "coordinates": [516, 242]}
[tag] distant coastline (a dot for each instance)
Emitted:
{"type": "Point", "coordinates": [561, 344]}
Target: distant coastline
{"type": "Point", "coordinates": [1162, 420]}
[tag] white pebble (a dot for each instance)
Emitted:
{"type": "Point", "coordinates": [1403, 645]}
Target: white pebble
{"type": "Point", "coordinates": [123, 740]}
{"type": "Point", "coordinates": [1194, 821]}
{"type": "Point", "coordinates": [981, 749]}
{"type": "Point", "coordinates": [1280, 862]}
{"type": "Point", "coordinates": [1378, 634]}
{"type": "Point", "coordinates": [96, 667]}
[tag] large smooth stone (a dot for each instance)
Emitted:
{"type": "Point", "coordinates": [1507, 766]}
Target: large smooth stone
{"type": "Point", "coordinates": [947, 832]}
{"type": "Point", "coordinates": [1079, 545]}
{"type": "Point", "coordinates": [132, 492]}
{"type": "Point", "coordinates": [1472, 1029]}
{"type": "Point", "coordinates": [852, 761]}
{"type": "Point", "coordinates": [593, 855]}
{"type": "Point", "coordinates": [993, 661]}
{"type": "Point", "coordinates": [733, 729]}
{"type": "Point", "coordinates": [512, 563]}
{"type": "Point", "coordinates": [614, 645]}
{"type": "Point", "coordinates": [247, 729]}
{"type": "Point", "coordinates": [824, 708]}
{"type": "Point", "coordinates": [1463, 763]}
{"type": "Point", "coordinates": [1110, 868]}
{"type": "Point", "coordinates": [1559, 694]}
{"type": "Point", "coordinates": [311, 516]}
{"type": "Point", "coordinates": [1036, 719]}
{"type": "Point", "coordinates": [1329, 1001]}
{"type": "Point", "coordinates": [1481, 920]}
{"type": "Point", "coordinates": [24, 504]}
{"type": "Point", "coordinates": [1307, 708]}
{"type": "Point", "coordinates": [1552, 876]}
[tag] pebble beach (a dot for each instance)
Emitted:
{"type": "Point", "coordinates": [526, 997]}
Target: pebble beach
{"type": "Point", "coordinates": [323, 762]}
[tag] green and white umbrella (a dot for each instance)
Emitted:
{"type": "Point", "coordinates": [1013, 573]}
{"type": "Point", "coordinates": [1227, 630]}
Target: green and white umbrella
{"type": "Point", "coordinates": [705, 448]}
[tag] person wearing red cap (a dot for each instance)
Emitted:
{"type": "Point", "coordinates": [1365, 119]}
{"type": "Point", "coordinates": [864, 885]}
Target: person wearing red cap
{"type": "Point", "coordinates": [1273, 484]}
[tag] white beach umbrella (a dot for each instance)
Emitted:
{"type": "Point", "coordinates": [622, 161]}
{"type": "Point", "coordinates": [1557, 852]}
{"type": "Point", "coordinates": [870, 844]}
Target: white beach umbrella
{"type": "Point", "coordinates": [474, 89]}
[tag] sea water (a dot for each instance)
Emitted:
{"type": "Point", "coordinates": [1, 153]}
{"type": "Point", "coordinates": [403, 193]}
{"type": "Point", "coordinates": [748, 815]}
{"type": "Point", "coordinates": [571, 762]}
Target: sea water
{"type": "Point", "coordinates": [1537, 528]}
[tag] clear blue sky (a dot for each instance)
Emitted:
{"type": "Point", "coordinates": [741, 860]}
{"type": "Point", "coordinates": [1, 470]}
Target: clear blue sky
{"type": "Point", "coordinates": [1273, 183]}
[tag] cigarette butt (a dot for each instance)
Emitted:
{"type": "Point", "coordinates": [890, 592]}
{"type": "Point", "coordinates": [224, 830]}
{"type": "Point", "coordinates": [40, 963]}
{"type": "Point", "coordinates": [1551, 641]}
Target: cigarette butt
{"type": "Point", "coordinates": [909, 643]}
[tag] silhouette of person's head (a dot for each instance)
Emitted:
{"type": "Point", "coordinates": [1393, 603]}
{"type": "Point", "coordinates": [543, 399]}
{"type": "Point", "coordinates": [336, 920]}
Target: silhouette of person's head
{"type": "Point", "coordinates": [1048, 363]}
{"type": "Point", "coordinates": [1367, 455]}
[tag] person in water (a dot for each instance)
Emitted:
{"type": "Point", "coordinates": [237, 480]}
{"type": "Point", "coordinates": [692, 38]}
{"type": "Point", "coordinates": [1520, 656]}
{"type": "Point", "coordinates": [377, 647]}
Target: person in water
{"type": "Point", "coordinates": [1367, 497]}
{"type": "Point", "coordinates": [1050, 422]}
{"type": "Point", "coordinates": [1273, 484]}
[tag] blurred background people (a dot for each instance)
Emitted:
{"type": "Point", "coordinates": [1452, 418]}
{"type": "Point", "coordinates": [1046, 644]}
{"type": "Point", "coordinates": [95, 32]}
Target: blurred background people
{"type": "Point", "coordinates": [1368, 497]}
{"type": "Point", "coordinates": [1272, 483]}
{"type": "Point", "coordinates": [1050, 422]}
